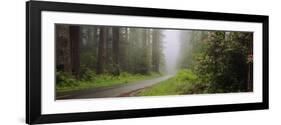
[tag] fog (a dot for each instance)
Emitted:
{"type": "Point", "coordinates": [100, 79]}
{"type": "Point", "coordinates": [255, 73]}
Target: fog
{"type": "Point", "coordinates": [171, 50]}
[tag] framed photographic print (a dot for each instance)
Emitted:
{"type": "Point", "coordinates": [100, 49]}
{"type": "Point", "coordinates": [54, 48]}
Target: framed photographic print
{"type": "Point", "coordinates": [95, 62]}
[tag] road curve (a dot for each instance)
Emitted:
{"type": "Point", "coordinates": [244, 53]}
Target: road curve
{"type": "Point", "coordinates": [113, 91]}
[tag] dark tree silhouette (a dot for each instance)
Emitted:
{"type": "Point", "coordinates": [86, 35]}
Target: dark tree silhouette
{"type": "Point", "coordinates": [102, 50]}
{"type": "Point", "coordinates": [74, 33]}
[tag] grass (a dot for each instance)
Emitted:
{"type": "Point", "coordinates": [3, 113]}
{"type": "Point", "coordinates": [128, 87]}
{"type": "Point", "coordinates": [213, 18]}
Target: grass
{"type": "Point", "coordinates": [185, 82]}
{"type": "Point", "coordinates": [66, 82]}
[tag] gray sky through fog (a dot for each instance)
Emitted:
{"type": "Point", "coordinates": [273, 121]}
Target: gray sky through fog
{"type": "Point", "coordinates": [171, 49]}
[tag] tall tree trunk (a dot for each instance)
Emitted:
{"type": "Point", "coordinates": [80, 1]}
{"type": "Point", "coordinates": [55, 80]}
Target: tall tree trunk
{"type": "Point", "coordinates": [155, 51]}
{"type": "Point", "coordinates": [116, 54]}
{"type": "Point", "coordinates": [101, 50]}
{"type": "Point", "coordinates": [145, 52]}
{"type": "Point", "coordinates": [127, 52]}
{"type": "Point", "coordinates": [250, 78]}
{"type": "Point", "coordinates": [123, 59]}
{"type": "Point", "coordinates": [74, 32]}
{"type": "Point", "coordinates": [250, 64]}
{"type": "Point", "coordinates": [63, 48]}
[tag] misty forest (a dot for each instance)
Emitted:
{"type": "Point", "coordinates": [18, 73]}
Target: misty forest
{"type": "Point", "coordinates": [108, 61]}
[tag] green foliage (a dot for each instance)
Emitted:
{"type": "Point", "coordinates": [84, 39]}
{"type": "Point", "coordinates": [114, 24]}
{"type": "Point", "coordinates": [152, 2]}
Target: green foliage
{"type": "Point", "coordinates": [64, 77]}
{"type": "Point", "coordinates": [222, 63]}
{"type": "Point", "coordinates": [186, 75]}
{"type": "Point", "coordinates": [65, 80]}
{"type": "Point", "coordinates": [168, 87]}
{"type": "Point", "coordinates": [89, 75]}
{"type": "Point", "coordinates": [184, 82]}
{"type": "Point", "coordinates": [219, 59]}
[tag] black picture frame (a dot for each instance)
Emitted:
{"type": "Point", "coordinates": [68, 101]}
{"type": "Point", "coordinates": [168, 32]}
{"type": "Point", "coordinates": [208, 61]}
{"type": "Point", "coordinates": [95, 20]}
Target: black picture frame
{"type": "Point", "coordinates": [33, 61]}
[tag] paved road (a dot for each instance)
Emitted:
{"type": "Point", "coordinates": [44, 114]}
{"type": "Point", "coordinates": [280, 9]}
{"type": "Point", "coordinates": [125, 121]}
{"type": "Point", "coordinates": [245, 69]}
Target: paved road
{"type": "Point", "coordinates": [114, 91]}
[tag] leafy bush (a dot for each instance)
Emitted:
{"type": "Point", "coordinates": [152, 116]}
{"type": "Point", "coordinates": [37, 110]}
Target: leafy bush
{"type": "Point", "coordinates": [186, 75]}
{"type": "Point", "coordinates": [63, 77]}
{"type": "Point", "coordinates": [182, 83]}
{"type": "Point", "coordinates": [89, 75]}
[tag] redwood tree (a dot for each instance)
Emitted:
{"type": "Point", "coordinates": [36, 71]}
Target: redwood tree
{"type": "Point", "coordinates": [74, 33]}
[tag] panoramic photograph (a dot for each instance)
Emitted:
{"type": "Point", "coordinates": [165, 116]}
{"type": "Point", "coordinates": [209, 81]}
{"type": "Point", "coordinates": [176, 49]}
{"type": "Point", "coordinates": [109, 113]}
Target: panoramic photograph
{"type": "Point", "coordinates": [93, 61]}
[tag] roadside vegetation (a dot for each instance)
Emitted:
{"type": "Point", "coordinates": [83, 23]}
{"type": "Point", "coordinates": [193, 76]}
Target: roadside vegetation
{"type": "Point", "coordinates": [185, 82]}
{"type": "Point", "coordinates": [67, 82]}
{"type": "Point", "coordinates": [217, 62]}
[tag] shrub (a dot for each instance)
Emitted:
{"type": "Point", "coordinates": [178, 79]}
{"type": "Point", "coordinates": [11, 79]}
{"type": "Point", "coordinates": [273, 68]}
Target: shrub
{"type": "Point", "coordinates": [186, 75]}
{"type": "Point", "coordinates": [89, 75]}
{"type": "Point", "coordinates": [63, 77]}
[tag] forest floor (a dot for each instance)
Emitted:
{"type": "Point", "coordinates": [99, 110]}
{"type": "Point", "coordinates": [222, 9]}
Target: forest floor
{"type": "Point", "coordinates": [112, 91]}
